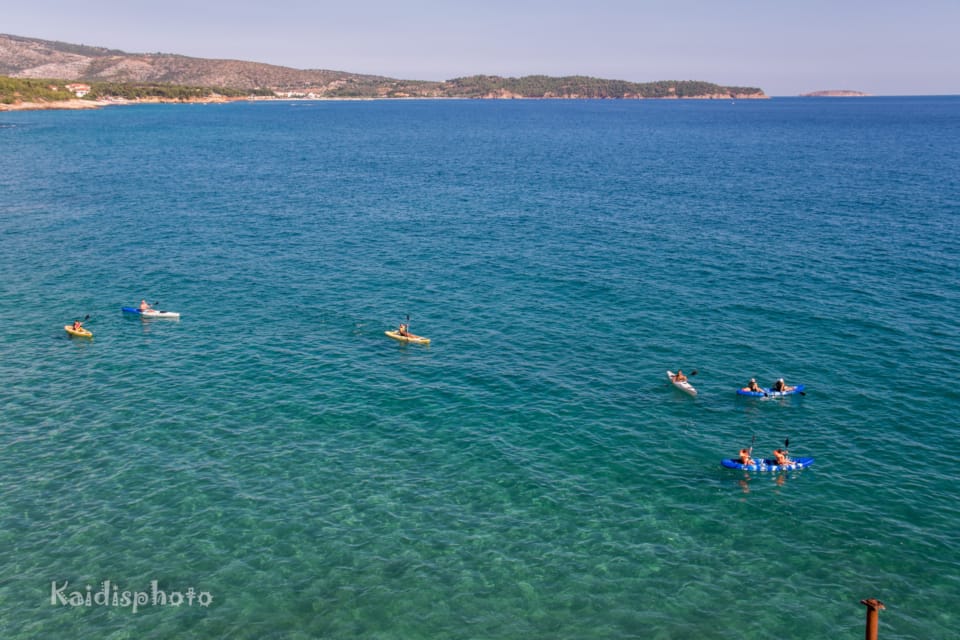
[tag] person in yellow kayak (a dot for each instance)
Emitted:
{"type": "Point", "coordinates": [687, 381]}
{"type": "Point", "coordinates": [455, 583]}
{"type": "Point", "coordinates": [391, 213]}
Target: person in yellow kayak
{"type": "Point", "coordinates": [753, 386]}
{"type": "Point", "coordinates": [402, 330]}
{"type": "Point", "coordinates": [77, 325]}
{"type": "Point", "coordinates": [144, 306]}
{"type": "Point", "coordinates": [679, 377]}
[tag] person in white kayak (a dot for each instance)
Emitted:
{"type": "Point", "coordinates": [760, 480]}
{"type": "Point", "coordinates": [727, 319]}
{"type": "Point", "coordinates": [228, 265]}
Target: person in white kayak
{"type": "Point", "coordinates": [679, 377]}
{"type": "Point", "coordinates": [144, 306]}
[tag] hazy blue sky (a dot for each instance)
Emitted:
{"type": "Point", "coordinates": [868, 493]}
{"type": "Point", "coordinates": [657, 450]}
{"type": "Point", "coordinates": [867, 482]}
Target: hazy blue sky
{"type": "Point", "coordinates": [785, 47]}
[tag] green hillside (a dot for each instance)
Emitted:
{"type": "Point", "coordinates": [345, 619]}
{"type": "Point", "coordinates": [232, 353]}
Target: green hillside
{"type": "Point", "coordinates": [587, 87]}
{"type": "Point", "coordinates": [14, 90]}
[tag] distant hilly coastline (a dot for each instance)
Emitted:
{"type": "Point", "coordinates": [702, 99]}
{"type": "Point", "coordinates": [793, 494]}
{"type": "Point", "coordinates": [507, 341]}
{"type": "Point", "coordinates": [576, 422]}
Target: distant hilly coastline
{"type": "Point", "coordinates": [109, 75]}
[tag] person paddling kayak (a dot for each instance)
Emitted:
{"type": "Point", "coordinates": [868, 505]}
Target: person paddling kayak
{"type": "Point", "coordinates": [144, 306]}
{"type": "Point", "coordinates": [780, 455]}
{"type": "Point", "coordinates": [782, 386]}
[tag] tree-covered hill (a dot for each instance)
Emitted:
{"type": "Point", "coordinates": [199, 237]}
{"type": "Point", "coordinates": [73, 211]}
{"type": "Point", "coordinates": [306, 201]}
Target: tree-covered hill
{"type": "Point", "coordinates": [17, 90]}
{"type": "Point", "coordinates": [587, 87]}
{"type": "Point", "coordinates": [14, 90]}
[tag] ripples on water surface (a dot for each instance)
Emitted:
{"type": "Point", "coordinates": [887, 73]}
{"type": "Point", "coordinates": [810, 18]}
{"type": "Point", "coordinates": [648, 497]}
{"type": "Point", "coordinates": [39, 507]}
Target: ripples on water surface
{"type": "Point", "coordinates": [531, 473]}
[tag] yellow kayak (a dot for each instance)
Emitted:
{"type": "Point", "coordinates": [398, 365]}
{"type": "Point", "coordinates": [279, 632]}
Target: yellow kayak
{"type": "Point", "coordinates": [80, 333]}
{"type": "Point", "coordinates": [407, 338]}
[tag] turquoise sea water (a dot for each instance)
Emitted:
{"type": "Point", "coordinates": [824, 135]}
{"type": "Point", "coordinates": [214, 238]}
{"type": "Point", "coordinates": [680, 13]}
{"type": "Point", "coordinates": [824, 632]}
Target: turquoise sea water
{"type": "Point", "coordinates": [531, 473]}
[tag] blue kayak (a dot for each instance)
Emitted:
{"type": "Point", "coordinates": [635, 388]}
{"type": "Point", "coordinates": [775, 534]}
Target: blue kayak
{"type": "Point", "coordinates": [767, 464]}
{"type": "Point", "coordinates": [770, 393]}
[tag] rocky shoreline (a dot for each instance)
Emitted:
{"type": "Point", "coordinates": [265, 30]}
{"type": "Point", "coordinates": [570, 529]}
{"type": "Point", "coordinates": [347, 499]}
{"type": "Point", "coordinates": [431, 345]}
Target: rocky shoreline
{"type": "Point", "coordinates": [60, 104]}
{"type": "Point", "coordinates": [79, 104]}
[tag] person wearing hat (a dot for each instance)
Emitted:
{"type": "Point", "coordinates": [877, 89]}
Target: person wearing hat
{"type": "Point", "coordinates": [753, 386]}
{"type": "Point", "coordinates": [782, 386]}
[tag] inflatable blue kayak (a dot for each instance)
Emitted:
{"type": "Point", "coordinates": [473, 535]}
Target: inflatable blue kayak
{"type": "Point", "coordinates": [770, 393]}
{"type": "Point", "coordinates": [767, 464]}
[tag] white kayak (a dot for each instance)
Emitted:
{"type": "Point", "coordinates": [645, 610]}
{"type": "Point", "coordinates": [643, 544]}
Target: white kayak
{"type": "Point", "coordinates": [151, 313]}
{"type": "Point", "coordinates": [683, 385]}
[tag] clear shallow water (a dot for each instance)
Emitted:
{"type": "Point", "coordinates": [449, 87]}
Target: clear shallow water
{"type": "Point", "coordinates": [531, 473]}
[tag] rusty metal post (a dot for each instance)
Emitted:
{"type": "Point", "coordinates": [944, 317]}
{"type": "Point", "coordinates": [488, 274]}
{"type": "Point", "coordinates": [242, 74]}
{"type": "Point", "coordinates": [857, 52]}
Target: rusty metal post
{"type": "Point", "coordinates": [873, 619]}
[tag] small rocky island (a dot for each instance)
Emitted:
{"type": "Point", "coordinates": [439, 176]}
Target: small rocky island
{"type": "Point", "coordinates": [835, 93]}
